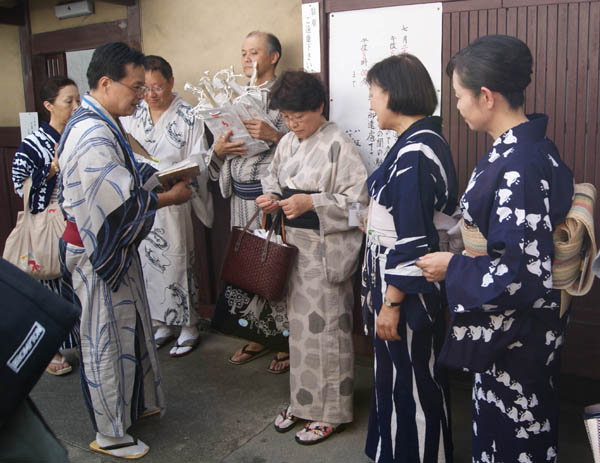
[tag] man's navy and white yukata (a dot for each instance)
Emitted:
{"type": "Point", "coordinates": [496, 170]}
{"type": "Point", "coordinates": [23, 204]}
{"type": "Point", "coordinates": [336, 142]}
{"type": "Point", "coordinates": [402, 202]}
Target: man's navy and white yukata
{"type": "Point", "coordinates": [409, 419]}
{"type": "Point", "coordinates": [506, 325]}
{"type": "Point", "coordinates": [102, 194]}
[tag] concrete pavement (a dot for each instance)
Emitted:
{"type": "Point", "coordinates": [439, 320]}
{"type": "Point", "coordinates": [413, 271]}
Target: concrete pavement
{"type": "Point", "coordinates": [218, 412]}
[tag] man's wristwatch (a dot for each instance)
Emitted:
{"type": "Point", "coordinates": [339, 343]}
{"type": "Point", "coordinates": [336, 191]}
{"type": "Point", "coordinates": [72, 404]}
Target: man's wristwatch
{"type": "Point", "coordinates": [389, 303]}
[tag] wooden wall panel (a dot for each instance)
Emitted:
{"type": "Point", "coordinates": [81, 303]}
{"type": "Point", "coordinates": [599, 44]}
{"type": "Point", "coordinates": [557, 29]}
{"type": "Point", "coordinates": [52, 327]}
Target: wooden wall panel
{"type": "Point", "coordinates": [593, 135]}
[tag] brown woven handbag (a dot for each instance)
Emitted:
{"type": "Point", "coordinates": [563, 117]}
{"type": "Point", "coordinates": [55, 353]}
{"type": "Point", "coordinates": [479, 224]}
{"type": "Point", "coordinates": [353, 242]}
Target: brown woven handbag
{"type": "Point", "coordinates": [258, 265]}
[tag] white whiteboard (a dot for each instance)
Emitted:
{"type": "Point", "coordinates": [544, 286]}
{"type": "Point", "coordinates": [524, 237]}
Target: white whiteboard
{"type": "Point", "coordinates": [359, 39]}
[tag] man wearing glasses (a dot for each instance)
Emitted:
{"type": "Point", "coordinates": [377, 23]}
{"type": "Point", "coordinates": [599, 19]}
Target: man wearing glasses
{"type": "Point", "coordinates": [108, 214]}
{"type": "Point", "coordinates": [164, 125]}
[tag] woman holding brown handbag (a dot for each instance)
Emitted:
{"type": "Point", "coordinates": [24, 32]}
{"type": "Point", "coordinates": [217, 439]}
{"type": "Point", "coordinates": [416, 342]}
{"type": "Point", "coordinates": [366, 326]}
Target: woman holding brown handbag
{"type": "Point", "coordinates": [315, 176]}
{"type": "Point", "coordinates": [36, 159]}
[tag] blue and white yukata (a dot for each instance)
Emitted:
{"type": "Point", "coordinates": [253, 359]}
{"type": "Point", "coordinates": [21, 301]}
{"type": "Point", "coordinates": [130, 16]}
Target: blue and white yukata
{"type": "Point", "coordinates": [101, 193]}
{"type": "Point", "coordinates": [505, 321]}
{"type": "Point", "coordinates": [32, 159]}
{"type": "Point", "coordinates": [409, 420]}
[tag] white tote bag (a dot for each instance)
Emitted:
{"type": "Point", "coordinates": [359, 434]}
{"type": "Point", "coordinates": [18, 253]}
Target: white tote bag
{"type": "Point", "coordinates": [33, 244]}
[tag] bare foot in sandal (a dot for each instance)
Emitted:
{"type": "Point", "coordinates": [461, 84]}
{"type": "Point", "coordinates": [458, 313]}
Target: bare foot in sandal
{"type": "Point", "coordinates": [59, 366]}
{"type": "Point", "coordinates": [280, 363]}
{"type": "Point", "coordinates": [249, 352]}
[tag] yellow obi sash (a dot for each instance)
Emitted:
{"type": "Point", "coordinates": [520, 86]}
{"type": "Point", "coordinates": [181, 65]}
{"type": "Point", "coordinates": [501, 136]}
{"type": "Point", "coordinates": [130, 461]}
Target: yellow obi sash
{"type": "Point", "coordinates": [574, 246]}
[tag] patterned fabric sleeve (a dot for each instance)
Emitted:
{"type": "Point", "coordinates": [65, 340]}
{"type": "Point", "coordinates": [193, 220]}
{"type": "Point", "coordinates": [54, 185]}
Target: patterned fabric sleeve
{"type": "Point", "coordinates": [349, 186]}
{"type": "Point", "coordinates": [270, 182]}
{"type": "Point", "coordinates": [28, 162]}
{"type": "Point", "coordinates": [517, 269]}
{"type": "Point", "coordinates": [112, 211]}
{"type": "Point", "coordinates": [146, 171]}
{"type": "Point", "coordinates": [215, 163]}
{"type": "Point", "coordinates": [411, 195]}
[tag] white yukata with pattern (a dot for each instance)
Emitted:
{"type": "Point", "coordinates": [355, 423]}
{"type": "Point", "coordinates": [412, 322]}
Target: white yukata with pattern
{"type": "Point", "coordinates": [167, 253]}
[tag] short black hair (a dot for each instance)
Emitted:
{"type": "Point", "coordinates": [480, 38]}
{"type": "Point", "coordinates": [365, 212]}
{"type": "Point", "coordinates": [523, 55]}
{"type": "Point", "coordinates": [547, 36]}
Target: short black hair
{"type": "Point", "coordinates": [297, 91]}
{"type": "Point", "coordinates": [500, 63]}
{"type": "Point", "coordinates": [407, 83]}
{"type": "Point", "coordinates": [52, 86]}
{"type": "Point", "coordinates": [273, 43]}
{"type": "Point", "coordinates": [158, 63]}
{"type": "Point", "coordinates": [110, 60]}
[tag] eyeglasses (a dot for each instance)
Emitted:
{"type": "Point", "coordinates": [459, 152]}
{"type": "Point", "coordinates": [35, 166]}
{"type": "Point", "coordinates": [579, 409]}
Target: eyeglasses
{"type": "Point", "coordinates": [156, 89]}
{"type": "Point", "coordinates": [298, 117]}
{"type": "Point", "coordinates": [137, 90]}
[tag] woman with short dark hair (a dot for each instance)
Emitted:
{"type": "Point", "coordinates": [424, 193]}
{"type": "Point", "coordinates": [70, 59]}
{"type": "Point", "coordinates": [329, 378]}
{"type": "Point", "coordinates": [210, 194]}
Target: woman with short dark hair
{"type": "Point", "coordinates": [36, 159]}
{"type": "Point", "coordinates": [506, 324]}
{"type": "Point", "coordinates": [409, 414]}
{"type": "Point", "coordinates": [315, 175]}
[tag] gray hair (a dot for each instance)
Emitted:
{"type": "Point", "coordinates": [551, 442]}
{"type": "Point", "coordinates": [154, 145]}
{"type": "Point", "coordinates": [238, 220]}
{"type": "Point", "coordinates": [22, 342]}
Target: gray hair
{"type": "Point", "coordinates": [273, 43]}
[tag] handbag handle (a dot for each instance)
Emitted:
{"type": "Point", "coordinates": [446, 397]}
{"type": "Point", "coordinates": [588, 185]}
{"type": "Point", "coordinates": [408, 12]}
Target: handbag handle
{"type": "Point", "coordinates": [280, 214]}
{"type": "Point", "coordinates": [238, 243]}
{"type": "Point", "coordinates": [265, 250]}
{"type": "Point", "coordinates": [26, 191]}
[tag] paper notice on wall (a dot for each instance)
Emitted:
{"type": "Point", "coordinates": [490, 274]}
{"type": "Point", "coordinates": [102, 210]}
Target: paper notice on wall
{"type": "Point", "coordinates": [311, 37]}
{"type": "Point", "coordinates": [360, 38]}
{"type": "Point", "coordinates": [29, 123]}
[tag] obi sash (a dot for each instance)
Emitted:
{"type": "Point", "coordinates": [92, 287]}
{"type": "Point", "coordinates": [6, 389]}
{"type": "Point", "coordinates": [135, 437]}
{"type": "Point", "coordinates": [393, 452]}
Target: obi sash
{"type": "Point", "coordinates": [309, 219]}
{"type": "Point", "coordinates": [574, 244]}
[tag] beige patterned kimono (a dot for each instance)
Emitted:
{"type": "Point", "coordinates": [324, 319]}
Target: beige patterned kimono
{"type": "Point", "coordinates": [320, 297]}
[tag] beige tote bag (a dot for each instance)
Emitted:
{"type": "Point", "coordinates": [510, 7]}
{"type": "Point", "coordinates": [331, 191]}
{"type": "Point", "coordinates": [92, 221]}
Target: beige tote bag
{"type": "Point", "coordinates": [33, 244]}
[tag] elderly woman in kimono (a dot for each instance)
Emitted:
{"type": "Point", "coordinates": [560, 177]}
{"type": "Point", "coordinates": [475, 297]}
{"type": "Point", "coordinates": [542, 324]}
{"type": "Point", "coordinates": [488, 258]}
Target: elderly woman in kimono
{"type": "Point", "coordinates": [263, 323]}
{"type": "Point", "coordinates": [164, 126]}
{"type": "Point", "coordinates": [109, 213]}
{"type": "Point", "coordinates": [315, 176]}
{"type": "Point", "coordinates": [409, 413]}
{"type": "Point", "coordinates": [505, 315]}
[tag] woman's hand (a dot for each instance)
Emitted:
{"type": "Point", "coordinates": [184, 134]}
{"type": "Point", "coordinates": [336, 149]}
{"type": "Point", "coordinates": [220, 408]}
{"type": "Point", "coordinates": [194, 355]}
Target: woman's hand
{"type": "Point", "coordinates": [179, 193]}
{"type": "Point", "coordinates": [296, 205]}
{"type": "Point", "coordinates": [261, 130]}
{"type": "Point", "coordinates": [268, 203]}
{"type": "Point", "coordinates": [434, 265]}
{"type": "Point", "coordinates": [387, 322]}
{"type": "Point", "coordinates": [224, 146]}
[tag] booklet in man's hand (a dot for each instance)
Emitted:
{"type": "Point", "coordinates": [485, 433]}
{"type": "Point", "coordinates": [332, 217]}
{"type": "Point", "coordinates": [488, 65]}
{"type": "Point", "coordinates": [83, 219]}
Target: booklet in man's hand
{"type": "Point", "coordinates": [186, 169]}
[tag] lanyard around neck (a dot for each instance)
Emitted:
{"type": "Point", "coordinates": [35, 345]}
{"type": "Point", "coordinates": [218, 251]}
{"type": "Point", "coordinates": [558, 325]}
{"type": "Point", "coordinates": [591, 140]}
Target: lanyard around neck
{"type": "Point", "coordinates": [116, 130]}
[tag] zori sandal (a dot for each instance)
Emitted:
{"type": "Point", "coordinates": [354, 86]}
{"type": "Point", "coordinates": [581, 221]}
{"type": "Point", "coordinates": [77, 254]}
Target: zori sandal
{"type": "Point", "coordinates": [60, 371]}
{"type": "Point", "coordinates": [316, 432]}
{"type": "Point", "coordinates": [128, 450]}
{"type": "Point", "coordinates": [285, 421]}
